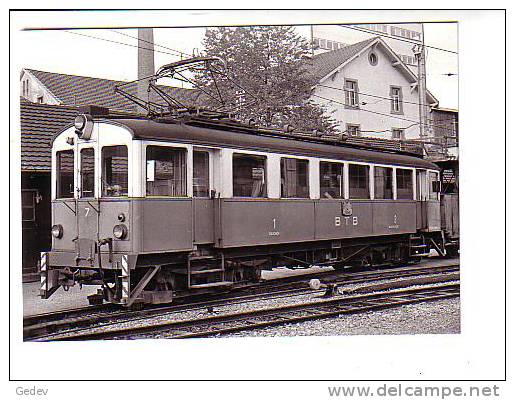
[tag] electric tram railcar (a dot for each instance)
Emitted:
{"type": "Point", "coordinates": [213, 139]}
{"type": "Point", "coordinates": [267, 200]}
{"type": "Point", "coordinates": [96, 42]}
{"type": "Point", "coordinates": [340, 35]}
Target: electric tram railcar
{"type": "Point", "coordinates": [152, 209]}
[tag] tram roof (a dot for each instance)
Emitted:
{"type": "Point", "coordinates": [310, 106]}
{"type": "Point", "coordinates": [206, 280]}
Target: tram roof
{"type": "Point", "coordinates": [220, 135]}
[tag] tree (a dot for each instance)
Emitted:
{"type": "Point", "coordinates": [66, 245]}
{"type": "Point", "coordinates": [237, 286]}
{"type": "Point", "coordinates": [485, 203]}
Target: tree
{"type": "Point", "coordinates": [270, 67]}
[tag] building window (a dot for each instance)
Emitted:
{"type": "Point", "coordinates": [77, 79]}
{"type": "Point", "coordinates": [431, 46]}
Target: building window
{"type": "Point", "coordinates": [404, 184]}
{"type": "Point", "coordinates": [351, 93]}
{"type": "Point", "coordinates": [331, 180]}
{"type": "Point", "coordinates": [40, 99]}
{"type": "Point", "coordinates": [353, 130]}
{"type": "Point", "coordinates": [25, 88]}
{"type": "Point", "coordinates": [200, 174]}
{"type": "Point", "coordinates": [383, 183]}
{"type": "Point", "coordinates": [396, 99]}
{"type": "Point", "coordinates": [166, 171]}
{"type": "Point", "coordinates": [87, 172]}
{"type": "Point", "coordinates": [359, 181]}
{"type": "Point", "coordinates": [248, 175]}
{"type": "Point", "coordinates": [115, 171]}
{"type": "Point", "coordinates": [294, 178]}
{"type": "Point", "coordinates": [28, 205]}
{"type": "Point", "coordinates": [64, 174]}
{"type": "Point", "coordinates": [398, 134]}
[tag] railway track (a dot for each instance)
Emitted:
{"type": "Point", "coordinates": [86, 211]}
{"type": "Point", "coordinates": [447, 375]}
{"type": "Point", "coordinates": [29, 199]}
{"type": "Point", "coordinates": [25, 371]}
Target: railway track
{"type": "Point", "coordinates": [256, 319]}
{"type": "Point", "coordinates": [46, 325]}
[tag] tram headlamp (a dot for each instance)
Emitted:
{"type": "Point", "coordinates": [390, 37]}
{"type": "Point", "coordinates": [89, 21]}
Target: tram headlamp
{"type": "Point", "coordinates": [120, 231]}
{"type": "Point", "coordinates": [57, 231]}
{"type": "Point", "coordinates": [84, 126]}
{"type": "Point", "coordinates": [80, 122]}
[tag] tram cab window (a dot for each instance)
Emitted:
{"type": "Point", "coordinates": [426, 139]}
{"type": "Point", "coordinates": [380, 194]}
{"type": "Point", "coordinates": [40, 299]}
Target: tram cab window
{"type": "Point", "coordinates": [294, 178]}
{"type": "Point", "coordinates": [200, 174]}
{"type": "Point", "coordinates": [166, 171]}
{"type": "Point", "coordinates": [433, 185]}
{"type": "Point", "coordinates": [359, 181]}
{"type": "Point", "coordinates": [87, 172]}
{"type": "Point", "coordinates": [404, 184]}
{"type": "Point", "coordinates": [64, 174]}
{"type": "Point", "coordinates": [331, 180]}
{"type": "Point", "coordinates": [115, 171]}
{"type": "Point", "coordinates": [248, 176]}
{"type": "Point", "coordinates": [383, 183]}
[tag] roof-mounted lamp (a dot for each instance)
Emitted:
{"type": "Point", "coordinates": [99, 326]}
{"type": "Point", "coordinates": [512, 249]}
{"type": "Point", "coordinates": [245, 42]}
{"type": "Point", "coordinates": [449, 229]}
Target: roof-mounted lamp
{"type": "Point", "coordinates": [84, 126]}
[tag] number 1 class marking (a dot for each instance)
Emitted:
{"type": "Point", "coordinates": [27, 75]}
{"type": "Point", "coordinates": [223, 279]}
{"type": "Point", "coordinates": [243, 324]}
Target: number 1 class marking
{"type": "Point", "coordinates": [274, 222]}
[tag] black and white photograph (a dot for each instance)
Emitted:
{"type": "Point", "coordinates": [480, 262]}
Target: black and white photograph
{"type": "Point", "coordinates": [256, 195]}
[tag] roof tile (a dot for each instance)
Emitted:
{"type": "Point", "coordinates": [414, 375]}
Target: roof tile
{"type": "Point", "coordinates": [323, 63]}
{"type": "Point", "coordinates": [74, 90]}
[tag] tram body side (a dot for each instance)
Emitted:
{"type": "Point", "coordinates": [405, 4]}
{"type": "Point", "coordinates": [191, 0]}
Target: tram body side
{"type": "Point", "coordinates": [145, 248]}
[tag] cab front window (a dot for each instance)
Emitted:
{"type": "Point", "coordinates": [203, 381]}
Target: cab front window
{"type": "Point", "coordinates": [64, 174]}
{"type": "Point", "coordinates": [115, 171]}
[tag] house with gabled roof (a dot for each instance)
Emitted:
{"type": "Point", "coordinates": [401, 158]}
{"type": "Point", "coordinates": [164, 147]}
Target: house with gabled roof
{"type": "Point", "coordinates": [73, 90]}
{"type": "Point", "coordinates": [368, 89]}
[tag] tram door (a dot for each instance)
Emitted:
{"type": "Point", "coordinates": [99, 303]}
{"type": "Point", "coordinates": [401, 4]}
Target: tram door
{"type": "Point", "coordinates": [422, 199]}
{"type": "Point", "coordinates": [433, 202]}
{"type": "Point", "coordinates": [206, 188]}
{"type": "Point", "coordinates": [428, 197]}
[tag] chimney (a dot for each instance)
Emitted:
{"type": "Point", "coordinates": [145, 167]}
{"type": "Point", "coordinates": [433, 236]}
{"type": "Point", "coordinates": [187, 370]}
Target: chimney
{"type": "Point", "coordinates": [145, 61]}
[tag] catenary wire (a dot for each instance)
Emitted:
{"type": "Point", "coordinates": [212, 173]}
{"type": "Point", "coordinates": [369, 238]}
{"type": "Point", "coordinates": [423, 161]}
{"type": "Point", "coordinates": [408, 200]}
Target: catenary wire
{"type": "Point", "coordinates": [120, 43]}
{"type": "Point", "coordinates": [181, 53]}
{"type": "Point", "coordinates": [383, 114]}
{"type": "Point", "coordinates": [331, 100]}
{"type": "Point", "coordinates": [397, 38]}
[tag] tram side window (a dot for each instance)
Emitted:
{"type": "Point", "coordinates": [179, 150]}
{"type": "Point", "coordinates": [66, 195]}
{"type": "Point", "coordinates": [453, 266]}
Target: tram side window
{"type": "Point", "coordinates": [200, 174]}
{"type": "Point", "coordinates": [87, 171]}
{"type": "Point", "coordinates": [359, 181]}
{"type": "Point", "coordinates": [331, 180]}
{"type": "Point", "coordinates": [404, 184]}
{"type": "Point", "coordinates": [433, 186]}
{"type": "Point", "coordinates": [294, 178]}
{"type": "Point", "coordinates": [383, 183]}
{"type": "Point", "coordinates": [166, 171]}
{"type": "Point", "coordinates": [248, 176]}
{"type": "Point", "coordinates": [115, 171]}
{"type": "Point", "coordinates": [64, 174]}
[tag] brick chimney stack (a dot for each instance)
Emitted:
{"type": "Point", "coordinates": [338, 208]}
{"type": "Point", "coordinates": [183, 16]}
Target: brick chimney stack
{"type": "Point", "coordinates": [145, 61]}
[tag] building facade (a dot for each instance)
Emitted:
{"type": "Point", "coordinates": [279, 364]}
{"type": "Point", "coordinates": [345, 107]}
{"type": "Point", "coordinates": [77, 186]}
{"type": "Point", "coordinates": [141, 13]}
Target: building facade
{"type": "Point", "coordinates": [369, 90]}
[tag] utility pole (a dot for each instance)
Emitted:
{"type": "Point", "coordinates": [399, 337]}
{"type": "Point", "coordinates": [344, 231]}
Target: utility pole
{"type": "Point", "coordinates": [420, 55]}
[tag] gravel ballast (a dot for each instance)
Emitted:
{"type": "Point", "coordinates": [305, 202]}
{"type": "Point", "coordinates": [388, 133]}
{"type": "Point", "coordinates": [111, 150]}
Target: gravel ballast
{"type": "Point", "coordinates": [436, 317]}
